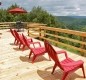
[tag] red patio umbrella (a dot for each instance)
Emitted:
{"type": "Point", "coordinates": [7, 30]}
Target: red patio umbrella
{"type": "Point", "coordinates": [17, 10]}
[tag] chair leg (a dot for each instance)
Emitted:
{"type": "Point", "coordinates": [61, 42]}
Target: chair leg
{"type": "Point", "coordinates": [19, 45]}
{"type": "Point", "coordinates": [49, 57]}
{"type": "Point", "coordinates": [54, 67]}
{"type": "Point", "coordinates": [30, 54]}
{"type": "Point", "coordinates": [83, 71]}
{"type": "Point", "coordinates": [64, 75]}
{"type": "Point", "coordinates": [15, 41]}
{"type": "Point", "coordinates": [34, 57]}
{"type": "Point", "coordinates": [23, 47]}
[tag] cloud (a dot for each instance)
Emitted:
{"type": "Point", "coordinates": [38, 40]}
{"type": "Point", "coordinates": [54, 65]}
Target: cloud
{"type": "Point", "coordinates": [55, 7]}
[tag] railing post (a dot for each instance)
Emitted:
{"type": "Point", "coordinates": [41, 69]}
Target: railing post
{"type": "Point", "coordinates": [44, 32]}
{"type": "Point", "coordinates": [56, 33]}
{"type": "Point", "coordinates": [56, 39]}
{"type": "Point", "coordinates": [39, 33]}
{"type": "Point", "coordinates": [28, 32]}
{"type": "Point", "coordinates": [83, 46]}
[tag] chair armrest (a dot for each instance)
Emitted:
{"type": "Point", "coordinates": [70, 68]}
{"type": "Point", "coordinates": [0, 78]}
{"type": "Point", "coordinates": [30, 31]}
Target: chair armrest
{"type": "Point", "coordinates": [33, 43]}
{"type": "Point", "coordinates": [62, 52]}
{"type": "Point", "coordinates": [75, 63]}
{"type": "Point", "coordinates": [30, 40]}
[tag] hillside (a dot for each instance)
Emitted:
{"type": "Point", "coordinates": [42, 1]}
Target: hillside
{"type": "Point", "coordinates": [65, 19]}
{"type": "Point", "coordinates": [73, 22]}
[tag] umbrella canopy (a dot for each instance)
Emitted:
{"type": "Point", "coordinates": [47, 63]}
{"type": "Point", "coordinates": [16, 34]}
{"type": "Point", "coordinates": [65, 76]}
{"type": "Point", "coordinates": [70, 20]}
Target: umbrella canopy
{"type": "Point", "coordinates": [17, 10]}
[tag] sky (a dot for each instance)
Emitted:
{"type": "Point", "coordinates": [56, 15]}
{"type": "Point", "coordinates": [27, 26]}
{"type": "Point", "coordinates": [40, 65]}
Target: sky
{"type": "Point", "coordinates": [54, 7]}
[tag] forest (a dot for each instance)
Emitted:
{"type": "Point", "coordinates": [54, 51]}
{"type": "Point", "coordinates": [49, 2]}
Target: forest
{"type": "Point", "coordinates": [73, 22]}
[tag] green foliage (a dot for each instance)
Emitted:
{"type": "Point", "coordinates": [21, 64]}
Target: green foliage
{"type": "Point", "coordinates": [4, 16]}
{"type": "Point", "coordinates": [12, 6]}
{"type": "Point", "coordinates": [37, 14]}
{"type": "Point", "coordinates": [74, 23]}
{"type": "Point", "coordinates": [41, 16]}
{"type": "Point", "coordinates": [84, 29]}
{"type": "Point", "coordinates": [8, 17]}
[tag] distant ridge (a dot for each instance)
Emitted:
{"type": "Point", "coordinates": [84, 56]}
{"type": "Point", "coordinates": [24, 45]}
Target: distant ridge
{"type": "Point", "coordinates": [66, 19]}
{"type": "Point", "coordinates": [71, 19]}
{"type": "Point", "coordinates": [73, 22]}
{"type": "Point", "coordinates": [73, 16]}
{"type": "Point", "coordinates": [78, 16]}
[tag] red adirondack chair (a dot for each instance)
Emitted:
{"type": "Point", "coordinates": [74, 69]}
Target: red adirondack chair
{"type": "Point", "coordinates": [17, 36]}
{"type": "Point", "coordinates": [26, 41]}
{"type": "Point", "coordinates": [20, 40]}
{"type": "Point", "coordinates": [12, 32]}
{"type": "Point", "coordinates": [35, 50]}
{"type": "Point", "coordinates": [67, 65]}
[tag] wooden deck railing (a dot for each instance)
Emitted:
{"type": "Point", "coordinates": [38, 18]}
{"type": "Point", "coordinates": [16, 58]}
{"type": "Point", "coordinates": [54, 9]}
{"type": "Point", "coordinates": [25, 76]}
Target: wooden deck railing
{"type": "Point", "coordinates": [4, 25]}
{"type": "Point", "coordinates": [68, 38]}
{"type": "Point", "coordinates": [7, 25]}
{"type": "Point", "coordinates": [75, 40]}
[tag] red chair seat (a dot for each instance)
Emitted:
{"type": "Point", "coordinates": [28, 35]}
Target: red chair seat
{"type": "Point", "coordinates": [37, 51]}
{"type": "Point", "coordinates": [71, 64]}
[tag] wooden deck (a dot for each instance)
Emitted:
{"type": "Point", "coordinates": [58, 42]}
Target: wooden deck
{"type": "Point", "coordinates": [15, 65]}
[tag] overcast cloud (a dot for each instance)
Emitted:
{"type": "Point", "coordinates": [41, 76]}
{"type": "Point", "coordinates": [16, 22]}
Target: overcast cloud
{"type": "Point", "coordinates": [55, 7]}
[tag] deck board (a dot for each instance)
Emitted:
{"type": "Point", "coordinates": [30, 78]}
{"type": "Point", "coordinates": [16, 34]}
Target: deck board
{"type": "Point", "coordinates": [15, 65]}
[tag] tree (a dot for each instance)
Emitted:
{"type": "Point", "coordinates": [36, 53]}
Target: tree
{"type": "Point", "coordinates": [40, 15]}
{"type": "Point", "coordinates": [84, 29]}
{"type": "Point", "coordinates": [12, 6]}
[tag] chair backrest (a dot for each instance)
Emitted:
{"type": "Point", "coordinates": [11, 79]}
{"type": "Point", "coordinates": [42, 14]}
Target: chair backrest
{"type": "Point", "coordinates": [16, 35]}
{"type": "Point", "coordinates": [19, 37]}
{"type": "Point", "coordinates": [12, 32]}
{"type": "Point", "coordinates": [52, 53]}
{"type": "Point", "coordinates": [25, 40]}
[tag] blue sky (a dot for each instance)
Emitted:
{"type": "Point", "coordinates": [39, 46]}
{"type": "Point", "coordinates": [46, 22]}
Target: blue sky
{"type": "Point", "coordinates": [55, 7]}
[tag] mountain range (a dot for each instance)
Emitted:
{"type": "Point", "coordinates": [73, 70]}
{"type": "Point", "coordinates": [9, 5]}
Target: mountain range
{"type": "Point", "coordinates": [72, 22]}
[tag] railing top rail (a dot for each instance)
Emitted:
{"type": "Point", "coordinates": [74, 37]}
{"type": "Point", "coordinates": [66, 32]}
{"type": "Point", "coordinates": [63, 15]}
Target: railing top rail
{"type": "Point", "coordinates": [9, 22]}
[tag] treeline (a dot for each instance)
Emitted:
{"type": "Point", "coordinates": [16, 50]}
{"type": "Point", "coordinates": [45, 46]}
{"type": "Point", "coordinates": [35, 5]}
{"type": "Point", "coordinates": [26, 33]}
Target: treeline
{"type": "Point", "coordinates": [37, 14]}
{"type": "Point", "coordinates": [5, 16]}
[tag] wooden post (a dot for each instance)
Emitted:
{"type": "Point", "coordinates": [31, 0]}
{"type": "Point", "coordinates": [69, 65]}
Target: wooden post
{"type": "Point", "coordinates": [28, 32]}
{"type": "Point", "coordinates": [56, 33]}
{"type": "Point", "coordinates": [56, 39]}
{"type": "Point", "coordinates": [83, 46]}
{"type": "Point", "coordinates": [39, 33]}
{"type": "Point", "coordinates": [44, 33]}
